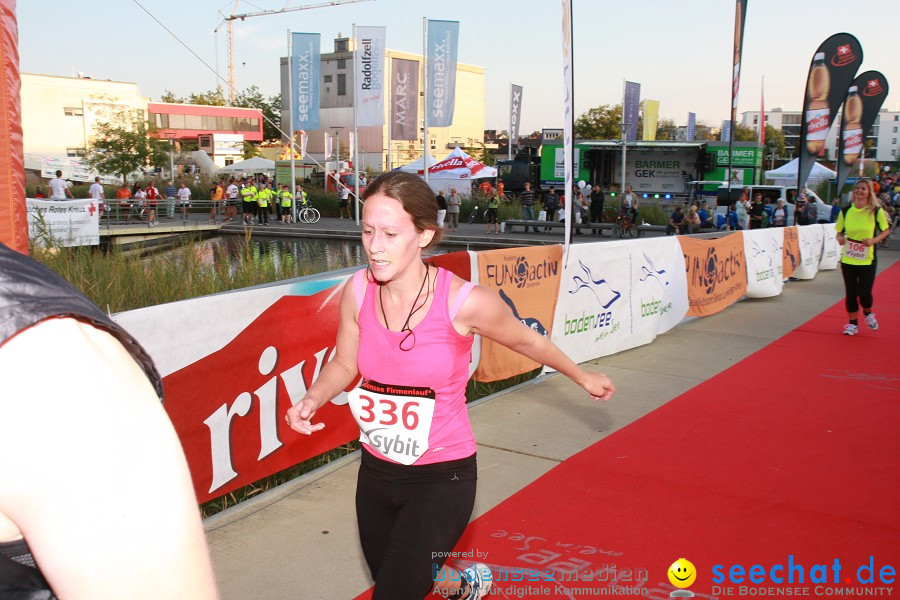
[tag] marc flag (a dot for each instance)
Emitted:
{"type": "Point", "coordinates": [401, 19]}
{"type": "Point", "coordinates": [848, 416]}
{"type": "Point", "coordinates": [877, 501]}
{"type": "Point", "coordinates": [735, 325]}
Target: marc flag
{"type": "Point", "coordinates": [651, 118]}
{"type": "Point", "coordinates": [368, 61]}
{"type": "Point", "coordinates": [443, 47]}
{"type": "Point", "coordinates": [691, 126]}
{"type": "Point", "coordinates": [305, 67]}
{"type": "Point", "coordinates": [404, 99]}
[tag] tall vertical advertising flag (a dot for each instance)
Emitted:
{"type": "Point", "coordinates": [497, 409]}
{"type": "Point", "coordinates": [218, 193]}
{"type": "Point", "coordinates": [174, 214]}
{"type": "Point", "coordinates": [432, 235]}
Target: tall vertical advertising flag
{"type": "Point", "coordinates": [833, 67]}
{"type": "Point", "coordinates": [569, 114]}
{"type": "Point", "coordinates": [864, 100]}
{"type": "Point", "coordinates": [630, 108]}
{"type": "Point", "coordinates": [515, 112]}
{"type": "Point", "coordinates": [404, 99]}
{"type": "Point", "coordinates": [368, 62]}
{"type": "Point", "coordinates": [691, 126]}
{"type": "Point", "coordinates": [762, 113]}
{"type": "Point", "coordinates": [740, 15]}
{"type": "Point", "coordinates": [305, 75]}
{"type": "Point", "coordinates": [651, 117]}
{"type": "Point", "coordinates": [443, 47]}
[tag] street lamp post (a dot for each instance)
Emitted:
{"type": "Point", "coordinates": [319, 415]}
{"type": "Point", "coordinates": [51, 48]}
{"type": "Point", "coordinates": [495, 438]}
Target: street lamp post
{"type": "Point", "coordinates": [337, 150]}
{"type": "Point", "coordinates": [170, 202]}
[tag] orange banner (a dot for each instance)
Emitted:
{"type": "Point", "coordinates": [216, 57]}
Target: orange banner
{"type": "Point", "coordinates": [716, 273]}
{"type": "Point", "coordinates": [13, 223]}
{"type": "Point", "coordinates": [791, 254]}
{"type": "Point", "coordinates": [527, 279]}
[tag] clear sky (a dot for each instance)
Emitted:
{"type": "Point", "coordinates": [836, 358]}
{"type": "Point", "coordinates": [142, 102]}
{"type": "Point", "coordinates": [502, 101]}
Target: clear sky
{"type": "Point", "coordinates": [679, 51]}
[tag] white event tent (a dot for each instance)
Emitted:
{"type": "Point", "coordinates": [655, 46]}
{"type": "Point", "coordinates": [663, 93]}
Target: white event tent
{"type": "Point", "coordinates": [787, 173]}
{"type": "Point", "coordinates": [250, 166]}
{"type": "Point", "coordinates": [456, 170]}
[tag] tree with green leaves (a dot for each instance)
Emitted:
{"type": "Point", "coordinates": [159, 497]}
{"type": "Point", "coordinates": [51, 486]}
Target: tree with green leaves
{"type": "Point", "coordinates": [742, 133]}
{"type": "Point", "coordinates": [600, 123]}
{"type": "Point", "coordinates": [122, 143]}
{"type": "Point", "coordinates": [774, 141]}
{"type": "Point", "coordinates": [270, 107]}
{"type": "Point", "coordinates": [665, 129]}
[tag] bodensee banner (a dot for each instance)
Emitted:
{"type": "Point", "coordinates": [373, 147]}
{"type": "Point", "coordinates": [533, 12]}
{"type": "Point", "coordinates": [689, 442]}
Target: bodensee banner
{"type": "Point", "coordinates": [619, 295]}
{"type": "Point", "coordinates": [811, 240]}
{"type": "Point", "coordinates": [764, 249]}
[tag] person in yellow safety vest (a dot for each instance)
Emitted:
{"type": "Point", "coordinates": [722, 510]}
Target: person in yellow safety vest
{"type": "Point", "coordinates": [286, 198]}
{"type": "Point", "coordinates": [302, 197]}
{"type": "Point", "coordinates": [248, 206]}
{"type": "Point", "coordinates": [263, 197]}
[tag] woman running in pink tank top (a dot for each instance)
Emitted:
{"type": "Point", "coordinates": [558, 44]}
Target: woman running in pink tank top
{"type": "Point", "coordinates": [407, 329]}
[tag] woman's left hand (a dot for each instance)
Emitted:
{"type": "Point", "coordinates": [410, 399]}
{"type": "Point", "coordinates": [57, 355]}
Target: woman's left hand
{"type": "Point", "coordinates": [599, 386]}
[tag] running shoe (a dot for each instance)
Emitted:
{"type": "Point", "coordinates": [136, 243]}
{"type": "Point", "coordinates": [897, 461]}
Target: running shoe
{"type": "Point", "coordinates": [480, 580]}
{"type": "Point", "coordinates": [850, 329]}
{"type": "Point", "coordinates": [871, 321]}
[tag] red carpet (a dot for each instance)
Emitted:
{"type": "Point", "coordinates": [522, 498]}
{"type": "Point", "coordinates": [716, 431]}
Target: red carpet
{"type": "Point", "coordinates": [791, 457]}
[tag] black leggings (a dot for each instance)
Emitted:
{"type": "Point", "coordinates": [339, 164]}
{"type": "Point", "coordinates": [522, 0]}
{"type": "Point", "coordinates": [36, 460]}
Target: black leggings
{"type": "Point", "coordinates": [409, 518]}
{"type": "Point", "coordinates": [858, 283]}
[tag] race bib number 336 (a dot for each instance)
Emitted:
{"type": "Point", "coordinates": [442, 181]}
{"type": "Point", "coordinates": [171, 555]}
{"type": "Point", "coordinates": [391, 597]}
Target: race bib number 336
{"type": "Point", "coordinates": [394, 420]}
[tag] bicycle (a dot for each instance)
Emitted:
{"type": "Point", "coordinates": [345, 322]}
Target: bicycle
{"type": "Point", "coordinates": [624, 226]}
{"type": "Point", "coordinates": [308, 214]}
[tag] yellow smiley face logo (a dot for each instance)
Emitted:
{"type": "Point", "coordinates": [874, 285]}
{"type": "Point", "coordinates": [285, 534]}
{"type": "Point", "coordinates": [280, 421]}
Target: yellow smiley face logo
{"type": "Point", "coordinates": [682, 573]}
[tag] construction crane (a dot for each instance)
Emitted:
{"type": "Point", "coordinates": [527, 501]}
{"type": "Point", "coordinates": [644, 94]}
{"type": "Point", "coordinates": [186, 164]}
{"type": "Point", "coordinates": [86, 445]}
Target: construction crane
{"type": "Point", "coordinates": [229, 22]}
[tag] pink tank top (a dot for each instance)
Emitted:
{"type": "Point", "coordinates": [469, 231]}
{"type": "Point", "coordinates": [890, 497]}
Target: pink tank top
{"type": "Point", "coordinates": [439, 360]}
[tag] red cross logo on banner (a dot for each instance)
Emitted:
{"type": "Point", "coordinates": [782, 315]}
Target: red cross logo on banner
{"type": "Point", "coordinates": [92, 209]}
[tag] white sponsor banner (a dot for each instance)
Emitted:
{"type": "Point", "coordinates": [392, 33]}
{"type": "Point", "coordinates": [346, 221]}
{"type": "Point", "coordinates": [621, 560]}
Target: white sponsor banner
{"type": "Point", "coordinates": [831, 250]}
{"type": "Point", "coordinates": [763, 249]}
{"type": "Point", "coordinates": [559, 164]}
{"type": "Point", "coordinates": [656, 171]}
{"type": "Point", "coordinates": [63, 222]}
{"type": "Point", "coordinates": [811, 238]}
{"type": "Point", "coordinates": [370, 84]}
{"type": "Point", "coordinates": [660, 282]}
{"type": "Point", "coordinates": [177, 334]}
{"type": "Point", "coordinates": [619, 295]}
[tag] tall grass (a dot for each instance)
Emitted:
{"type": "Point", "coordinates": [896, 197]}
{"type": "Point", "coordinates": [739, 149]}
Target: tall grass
{"type": "Point", "coordinates": [118, 281]}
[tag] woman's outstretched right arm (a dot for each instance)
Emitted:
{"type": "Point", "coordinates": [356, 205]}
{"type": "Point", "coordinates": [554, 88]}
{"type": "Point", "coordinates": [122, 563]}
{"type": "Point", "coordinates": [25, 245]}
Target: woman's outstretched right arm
{"type": "Point", "coordinates": [337, 374]}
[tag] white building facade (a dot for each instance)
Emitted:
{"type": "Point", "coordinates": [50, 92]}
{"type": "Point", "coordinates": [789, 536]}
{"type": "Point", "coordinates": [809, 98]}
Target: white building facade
{"type": "Point", "coordinates": [885, 133]}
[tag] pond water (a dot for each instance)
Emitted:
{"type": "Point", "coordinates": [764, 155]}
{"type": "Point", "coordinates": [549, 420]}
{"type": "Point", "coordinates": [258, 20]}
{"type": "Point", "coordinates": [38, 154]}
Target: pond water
{"type": "Point", "coordinates": [310, 255]}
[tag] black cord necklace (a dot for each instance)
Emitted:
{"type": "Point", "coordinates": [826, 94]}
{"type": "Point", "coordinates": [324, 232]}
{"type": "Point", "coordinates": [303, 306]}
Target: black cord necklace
{"type": "Point", "coordinates": [413, 310]}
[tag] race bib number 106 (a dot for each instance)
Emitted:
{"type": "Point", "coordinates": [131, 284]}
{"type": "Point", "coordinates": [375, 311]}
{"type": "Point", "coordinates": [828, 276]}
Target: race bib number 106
{"type": "Point", "coordinates": [856, 250]}
{"type": "Point", "coordinates": [394, 420]}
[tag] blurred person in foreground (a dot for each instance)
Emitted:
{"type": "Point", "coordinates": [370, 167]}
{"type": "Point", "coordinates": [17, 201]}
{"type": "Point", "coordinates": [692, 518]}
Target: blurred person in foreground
{"type": "Point", "coordinates": [95, 496]}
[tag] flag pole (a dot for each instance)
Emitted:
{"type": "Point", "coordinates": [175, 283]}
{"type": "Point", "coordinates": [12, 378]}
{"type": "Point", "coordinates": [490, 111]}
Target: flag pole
{"type": "Point", "coordinates": [290, 68]}
{"type": "Point", "coordinates": [425, 96]}
{"type": "Point", "coordinates": [355, 129]}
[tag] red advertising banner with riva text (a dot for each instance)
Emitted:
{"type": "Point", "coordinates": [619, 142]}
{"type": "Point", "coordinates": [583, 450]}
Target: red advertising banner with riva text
{"type": "Point", "coordinates": [527, 279]}
{"type": "Point", "coordinates": [716, 273]}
